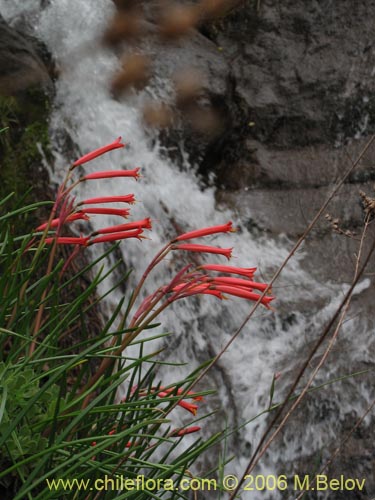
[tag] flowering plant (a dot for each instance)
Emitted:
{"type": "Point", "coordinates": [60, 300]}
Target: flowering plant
{"type": "Point", "coordinates": [83, 427]}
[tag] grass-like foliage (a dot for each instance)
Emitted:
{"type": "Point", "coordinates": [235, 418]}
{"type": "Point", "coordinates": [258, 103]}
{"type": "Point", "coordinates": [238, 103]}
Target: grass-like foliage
{"type": "Point", "coordinates": [61, 416]}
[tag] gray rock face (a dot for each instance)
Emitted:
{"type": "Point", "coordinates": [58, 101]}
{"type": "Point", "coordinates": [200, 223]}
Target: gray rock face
{"type": "Point", "coordinates": [301, 75]}
{"type": "Point", "coordinates": [20, 65]}
{"type": "Point", "coordinates": [306, 71]}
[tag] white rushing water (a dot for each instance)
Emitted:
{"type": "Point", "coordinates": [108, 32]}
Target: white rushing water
{"type": "Point", "coordinates": [271, 342]}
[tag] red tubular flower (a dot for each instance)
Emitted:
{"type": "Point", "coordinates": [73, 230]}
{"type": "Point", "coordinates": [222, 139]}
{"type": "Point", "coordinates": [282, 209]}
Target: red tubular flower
{"type": "Point", "coordinates": [98, 152]}
{"type": "Point", "coordinates": [197, 290]}
{"type": "Point", "coordinates": [238, 282]}
{"type": "Point", "coordinates": [242, 271]}
{"type": "Point", "coordinates": [140, 224]}
{"type": "Point", "coordinates": [190, 247]}
{"type": "Point", "coordinates": [245, 294]}
{"type": "Point", "coordinates": [112, 173]}
{"type": "Point", "coordinates": [122, 212]}
{"type": "Point", "coordinates": [189, 406]}
{"type": "Point", "coordinates": [187, 430]}
{"type": "Point", "coordinates": [117, 236]}
{"type": "Point", "coordinates": [192, 408]}
{"type": "Point", "coordinates": [181, 287]}
{"type": "Point", "coordinates": [188, 289]}
{"type": "Point", "coordinates": [128, 198]}
{"type": "Point", "coordinates": [224, 228]}
{"type": "Point", "coordinates": [191, 288]}
{"type": "Point", "coordinates": [67, 240]}
{"type": "Point", "coordinates": [55, 222]}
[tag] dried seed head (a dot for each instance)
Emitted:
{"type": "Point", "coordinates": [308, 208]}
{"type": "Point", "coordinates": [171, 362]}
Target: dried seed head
{"type": "Point", "coordinates": [135, 72]}
{"type": "Point", "coordinates": [368, 204]}
{"type": "Point", "coordinates": [188, 87]}
{"type": "Point", "coordinates": [177, 20]}
{"type": "Point", "coordinates": [157, 115]}
{"type": "Point", "coordinates": [205, 120]}
{"type": "Point", "coordinates": [124, 26]}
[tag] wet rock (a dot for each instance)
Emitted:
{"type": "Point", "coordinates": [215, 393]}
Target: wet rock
{"type": "Point", "coordinates": [20, 65]}
{"type": "Point", "coordinates": [301, 75]}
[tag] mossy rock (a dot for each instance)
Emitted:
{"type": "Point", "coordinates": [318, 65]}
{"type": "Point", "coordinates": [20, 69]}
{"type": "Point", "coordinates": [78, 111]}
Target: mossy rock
{"type": "Point", "coordinates": [23, 144]}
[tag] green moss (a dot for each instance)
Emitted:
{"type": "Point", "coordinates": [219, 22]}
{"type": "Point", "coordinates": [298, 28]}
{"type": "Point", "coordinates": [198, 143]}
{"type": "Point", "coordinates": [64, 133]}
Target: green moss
{"type": "Point", "coordinates": [22, 171]}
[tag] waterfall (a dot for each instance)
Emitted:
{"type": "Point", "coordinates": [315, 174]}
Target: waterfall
{"type": "Point", "coordinates": [272, 341]}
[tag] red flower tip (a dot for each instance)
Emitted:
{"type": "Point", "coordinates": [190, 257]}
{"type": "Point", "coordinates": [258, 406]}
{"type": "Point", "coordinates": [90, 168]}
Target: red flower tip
{"type": "Point", "coordinates": [237, 282]}
{"type": "Point", "coordinates": [184, 404]}
{"type": "Point", "coordinates": [188, 406]}
{"type": "Point", "coordinates": [227, 252]}
{"type": "Point", "coordinates": [128, 198]}
{"type": "Point", "coordinates": [198, 398]}
{"type": "Point", "coordinates": [106, 174]}
{"type": "Point", "coordinates": [187, 430]}
{"type": "Point", "coordinates": [98, 152]}
{"type": "Point", "coordinates": [224, 228]}
{"type": "Point", "coordinates": [243, 293]}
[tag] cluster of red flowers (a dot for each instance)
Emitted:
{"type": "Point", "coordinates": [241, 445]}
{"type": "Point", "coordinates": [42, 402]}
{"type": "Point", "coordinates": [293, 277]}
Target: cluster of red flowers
{"type": "Point", "coordinates": [198, 282]}
{"type": "Point", "coordinates": [166, 393]}
{"type": "Point", "coordinates": [69, 211]}
{"type": "Point", "coordinates": [185, 283]}
{"type": "Point", "coordinates": [191, 407]}
{"type": "Point", "coordinates": [189, 281]}
{"type": "Point", "coordinates": [171, 391]}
